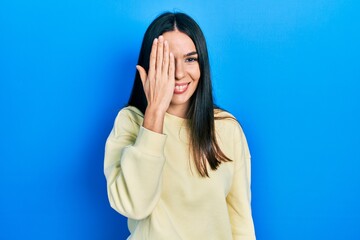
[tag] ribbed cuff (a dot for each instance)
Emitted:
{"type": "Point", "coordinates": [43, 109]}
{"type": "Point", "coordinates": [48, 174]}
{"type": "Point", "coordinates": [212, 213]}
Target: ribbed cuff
{"type": "Point", "coordinates": [150, 142]}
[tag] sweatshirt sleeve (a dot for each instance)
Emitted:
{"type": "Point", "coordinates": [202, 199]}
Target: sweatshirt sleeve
{"type": "Point", "coordinates": [239, 197]}
{"type": "Point", "coordinates": [133, 164]}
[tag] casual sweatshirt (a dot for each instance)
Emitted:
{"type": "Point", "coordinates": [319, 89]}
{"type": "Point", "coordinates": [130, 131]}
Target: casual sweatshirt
{"type": "Point", "coordinates": [153, 181]}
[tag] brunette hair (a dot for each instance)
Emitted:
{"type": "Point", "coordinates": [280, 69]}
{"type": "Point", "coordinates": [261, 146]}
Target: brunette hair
{"type": "Point", "coordinates": [200, 114]}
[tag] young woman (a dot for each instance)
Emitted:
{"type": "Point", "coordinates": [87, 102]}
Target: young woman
{"type": "Point", "coordinates": [176, 166]}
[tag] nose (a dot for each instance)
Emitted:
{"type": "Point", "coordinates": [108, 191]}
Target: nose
{"type": "Point", "coordinates": [179, 70]}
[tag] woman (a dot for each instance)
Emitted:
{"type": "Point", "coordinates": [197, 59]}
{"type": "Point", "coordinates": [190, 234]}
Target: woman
{"type": "Point", "coordinates": [175, 165]}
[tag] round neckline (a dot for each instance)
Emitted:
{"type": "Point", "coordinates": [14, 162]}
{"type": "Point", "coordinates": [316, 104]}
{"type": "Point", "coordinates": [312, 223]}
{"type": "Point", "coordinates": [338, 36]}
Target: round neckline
{"type": "Point", "coordinates": [176, 120]}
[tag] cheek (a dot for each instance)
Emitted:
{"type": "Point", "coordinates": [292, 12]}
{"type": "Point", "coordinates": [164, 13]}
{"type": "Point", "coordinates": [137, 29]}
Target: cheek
{"type": "Point", "coordinates": [194, 73]}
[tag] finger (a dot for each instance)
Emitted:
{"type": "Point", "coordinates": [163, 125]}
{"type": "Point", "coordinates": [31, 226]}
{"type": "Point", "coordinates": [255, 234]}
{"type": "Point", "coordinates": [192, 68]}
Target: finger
{"type": "Point", "coordinates": [166, 58]}
{"type": "Point", "coordinates": [159, 56]}
{"type": "Point", "coordinates": [142, 74]}
{"type": "Point", "coordinates": [171, 67]}
{"type": "Point", "coordinates": [152, 61]}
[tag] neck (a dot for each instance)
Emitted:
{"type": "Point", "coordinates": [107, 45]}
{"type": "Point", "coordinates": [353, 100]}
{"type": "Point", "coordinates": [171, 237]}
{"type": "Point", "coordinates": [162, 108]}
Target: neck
{"type": "Point", "coordinates": [178, 110]}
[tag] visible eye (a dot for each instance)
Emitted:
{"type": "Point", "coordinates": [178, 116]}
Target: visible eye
{"type": "Point", "coordinates": [192, 59]}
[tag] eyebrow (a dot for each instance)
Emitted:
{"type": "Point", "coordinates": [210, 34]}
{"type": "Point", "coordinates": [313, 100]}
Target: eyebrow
{"type": "Point", "coordinates": [190, 54]}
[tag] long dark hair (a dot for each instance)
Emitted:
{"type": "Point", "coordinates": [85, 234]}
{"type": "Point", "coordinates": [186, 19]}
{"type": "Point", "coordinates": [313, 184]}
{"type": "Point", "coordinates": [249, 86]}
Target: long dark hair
{"type": "Point", "coordinates": [200, 114]}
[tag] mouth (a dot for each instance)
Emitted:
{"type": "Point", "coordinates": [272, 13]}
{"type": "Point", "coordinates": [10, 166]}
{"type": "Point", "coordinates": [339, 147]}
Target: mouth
{"type": "Point", "coordinates": [181, 88]}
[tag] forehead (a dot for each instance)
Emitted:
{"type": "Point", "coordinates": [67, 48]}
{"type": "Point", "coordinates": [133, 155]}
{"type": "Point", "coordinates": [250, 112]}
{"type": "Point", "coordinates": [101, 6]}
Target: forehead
{"type": "Point", "coordinates": [179, 42]}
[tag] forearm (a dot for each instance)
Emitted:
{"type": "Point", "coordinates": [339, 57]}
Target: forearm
{"type": "Point", "coordinates": [135, 186]}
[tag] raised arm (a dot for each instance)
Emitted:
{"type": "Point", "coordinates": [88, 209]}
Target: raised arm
{"type": "Point", "coordinates": [134, 154]}
{"type": "Point", "coordinates": [134, 159]}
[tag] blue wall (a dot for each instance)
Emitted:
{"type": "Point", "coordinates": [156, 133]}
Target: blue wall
{"type": "Point", "coordinates": [288, 70]}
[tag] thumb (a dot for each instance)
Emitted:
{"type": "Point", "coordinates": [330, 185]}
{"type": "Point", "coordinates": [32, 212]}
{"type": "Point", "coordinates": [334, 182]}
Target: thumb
{"type": "Point", "coordinates": [142, 74]}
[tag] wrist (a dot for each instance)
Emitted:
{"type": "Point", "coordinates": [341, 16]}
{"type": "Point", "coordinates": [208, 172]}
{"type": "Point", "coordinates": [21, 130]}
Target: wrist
{"type": "Point", "coordinates": [154, 119]}
{"type": "Point", "coordinates": [155, 111]}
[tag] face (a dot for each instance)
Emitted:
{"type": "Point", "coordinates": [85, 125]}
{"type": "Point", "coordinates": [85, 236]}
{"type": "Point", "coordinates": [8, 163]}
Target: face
{"type": "Point", "coordinates": [187, 71]}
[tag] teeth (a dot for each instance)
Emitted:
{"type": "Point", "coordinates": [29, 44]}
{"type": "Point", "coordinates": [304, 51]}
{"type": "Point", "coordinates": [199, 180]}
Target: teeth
{"type": "Point", "coordinates": [180, 88]}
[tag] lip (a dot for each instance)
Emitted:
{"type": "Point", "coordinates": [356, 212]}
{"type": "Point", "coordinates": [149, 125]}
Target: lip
{"type": "Point", "coordinates": [181, 88]}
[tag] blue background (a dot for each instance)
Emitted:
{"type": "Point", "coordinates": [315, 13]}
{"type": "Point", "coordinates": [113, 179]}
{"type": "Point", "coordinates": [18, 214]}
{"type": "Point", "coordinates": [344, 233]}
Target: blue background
{"type": "Point", "coordinates": [288, 70]}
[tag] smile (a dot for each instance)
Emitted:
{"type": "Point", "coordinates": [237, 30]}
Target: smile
{"type": "Point", "coordinates": [181, 88]}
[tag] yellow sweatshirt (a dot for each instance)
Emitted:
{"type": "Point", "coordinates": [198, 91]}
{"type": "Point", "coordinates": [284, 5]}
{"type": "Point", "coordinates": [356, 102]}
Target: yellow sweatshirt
{"type": "Point", "coordinates": [152, 180]}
